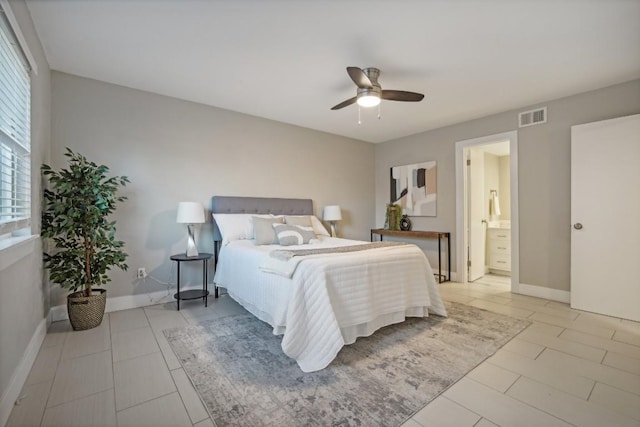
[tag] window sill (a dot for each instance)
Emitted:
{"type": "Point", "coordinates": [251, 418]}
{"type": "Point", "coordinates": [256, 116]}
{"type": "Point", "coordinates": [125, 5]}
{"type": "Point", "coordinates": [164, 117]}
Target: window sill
{"type": "Point", "coordinates": [13, 249]}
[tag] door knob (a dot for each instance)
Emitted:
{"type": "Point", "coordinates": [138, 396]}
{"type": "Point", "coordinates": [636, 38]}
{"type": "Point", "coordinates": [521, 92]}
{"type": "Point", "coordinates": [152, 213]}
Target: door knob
{"type": "Point", "coordinates": [577, 226]}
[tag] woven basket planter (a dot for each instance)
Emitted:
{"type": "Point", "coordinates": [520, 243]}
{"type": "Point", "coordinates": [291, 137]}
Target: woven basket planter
{"type": "Point", "coordinates": [86, 312]}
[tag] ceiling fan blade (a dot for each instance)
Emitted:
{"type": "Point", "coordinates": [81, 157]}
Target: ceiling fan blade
{"type": "Point", "coordinates": [359, 77]}
{"type": "Point", "coordinates": [401, 95]}
{"type": "Point", "coordinates": [345, 103]}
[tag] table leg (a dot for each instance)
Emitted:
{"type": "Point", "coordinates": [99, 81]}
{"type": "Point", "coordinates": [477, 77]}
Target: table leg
{"type": "Point", "coordinates": [178, 284]}
{"type": "Point", "coordinates": [204, 278]}
{"type": "Point", "coordinates": [449, 256]}
{"type": "Point", "coordinates": [439, 261]}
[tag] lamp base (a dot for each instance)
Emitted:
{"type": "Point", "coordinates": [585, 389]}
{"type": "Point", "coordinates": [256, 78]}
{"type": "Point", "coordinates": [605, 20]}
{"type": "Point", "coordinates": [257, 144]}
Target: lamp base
{"type": "Point", "coordinates": [333, 229]}
{"type": "Point", "coordinates": [192, 249]}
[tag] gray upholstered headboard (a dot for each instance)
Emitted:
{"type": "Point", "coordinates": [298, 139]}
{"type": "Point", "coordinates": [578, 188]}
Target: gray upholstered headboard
{"type": "Point", "coordinates": [258, 206]}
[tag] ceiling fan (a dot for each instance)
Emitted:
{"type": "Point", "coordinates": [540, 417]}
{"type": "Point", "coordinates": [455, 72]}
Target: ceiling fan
{"type": "Point", "coordinates": [369, 91]}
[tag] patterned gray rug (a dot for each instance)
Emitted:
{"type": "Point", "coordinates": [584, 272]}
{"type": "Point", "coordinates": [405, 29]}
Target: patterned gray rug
{"type": "Point", "coordinates": [238, 368]}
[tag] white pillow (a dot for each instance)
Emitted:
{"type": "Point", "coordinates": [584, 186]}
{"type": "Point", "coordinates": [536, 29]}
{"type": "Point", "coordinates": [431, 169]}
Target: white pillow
{"type": "Point", "coordinates": [318, 228]}
{"type": "Point", "coordinates": [234, 227]}
{"type": "Point", "coordinates": [303, 220]}
{"type": "Point", "coordinates": [306, 220]}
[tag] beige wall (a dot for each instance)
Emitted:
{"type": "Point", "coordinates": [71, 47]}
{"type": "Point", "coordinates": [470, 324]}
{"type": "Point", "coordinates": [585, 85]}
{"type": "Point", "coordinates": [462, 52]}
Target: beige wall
{"type": "Point", "coordinates": [176, 151]}
{"type": "Point", "coordinates": [23, 296]}
{"type": "Point", "coordinates": [544, 174]}
{"type": "Point", "coordinates": [505, 187]}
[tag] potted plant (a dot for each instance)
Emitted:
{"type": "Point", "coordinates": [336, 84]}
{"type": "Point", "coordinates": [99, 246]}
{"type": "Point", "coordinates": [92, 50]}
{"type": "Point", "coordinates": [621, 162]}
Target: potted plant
{"type": "Point", "coordinates": [393, 217]}
{"type": "Point", "coordinates": [75, 214]}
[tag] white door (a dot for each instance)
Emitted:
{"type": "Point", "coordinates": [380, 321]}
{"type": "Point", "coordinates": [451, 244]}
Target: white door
{"type": "Point", "coordinates": [605, 216]}
{"type": "Point", "coordinates": [477, 242]}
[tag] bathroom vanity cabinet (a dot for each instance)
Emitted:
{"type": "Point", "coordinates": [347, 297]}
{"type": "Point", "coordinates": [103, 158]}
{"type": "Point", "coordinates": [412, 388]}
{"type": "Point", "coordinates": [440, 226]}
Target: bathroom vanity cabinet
{"type": "Point", "coordinates": [499, 246]}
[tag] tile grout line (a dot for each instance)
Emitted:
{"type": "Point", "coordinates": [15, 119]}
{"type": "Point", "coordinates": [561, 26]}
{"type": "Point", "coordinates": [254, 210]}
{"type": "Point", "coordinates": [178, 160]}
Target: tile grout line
{"type": "Point", "coordinates": [592, 388]}
{"type": "Point", "coordinates": [604, 356]}
{"type": "Point", "coordinates": [513, 383]}
{"type": "Point", "coordinates": [147, 401]}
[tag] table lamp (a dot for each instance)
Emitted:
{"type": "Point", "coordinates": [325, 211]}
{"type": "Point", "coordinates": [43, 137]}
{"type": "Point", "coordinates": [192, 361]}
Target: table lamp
{"type": "Point", "coordinates": [332, 214]}
{"type": "Point", "coordinates": [190, 213]}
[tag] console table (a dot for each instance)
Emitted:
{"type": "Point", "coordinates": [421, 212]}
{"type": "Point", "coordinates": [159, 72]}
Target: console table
{"type": "Point", "coordinates": [416, 234]}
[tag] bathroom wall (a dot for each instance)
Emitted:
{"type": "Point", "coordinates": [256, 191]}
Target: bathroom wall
{"type": "Point", "coordinates": [491, 182]}
{"type": "Point", "coordinates": [505, 187]}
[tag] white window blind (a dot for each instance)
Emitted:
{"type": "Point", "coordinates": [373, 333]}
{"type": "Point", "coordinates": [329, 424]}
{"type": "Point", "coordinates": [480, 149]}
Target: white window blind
{"type": "Point", "coordinates": [15, 133]}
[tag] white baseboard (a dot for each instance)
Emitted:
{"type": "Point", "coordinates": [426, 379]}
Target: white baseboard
{"type": "Point", "coordinates": [126, 302]}
{"type": "Point", "coordinates": [22, 372]}
{"type": "Point", "coordinates": [546, 293]}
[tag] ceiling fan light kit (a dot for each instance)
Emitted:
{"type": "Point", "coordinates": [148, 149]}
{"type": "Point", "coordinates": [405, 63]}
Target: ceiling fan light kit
{"type": "Point", "coordinates": [368, 98]}
{"type": "Point", "coordinates": [370, 93]}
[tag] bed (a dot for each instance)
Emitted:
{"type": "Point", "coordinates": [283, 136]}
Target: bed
{"type": "Point", "coordinates": [320, 301]}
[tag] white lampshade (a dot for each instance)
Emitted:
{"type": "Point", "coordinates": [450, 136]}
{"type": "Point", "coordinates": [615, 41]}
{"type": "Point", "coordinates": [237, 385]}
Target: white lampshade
{"type": "Point", "coordinates": [190, 213]}
{"type": "Point", "coordinates": [332, 213]}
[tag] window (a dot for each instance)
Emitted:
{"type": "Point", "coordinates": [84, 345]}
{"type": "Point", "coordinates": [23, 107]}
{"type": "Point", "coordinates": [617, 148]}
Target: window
{"type": "Point", "coordinates": [15, 133]}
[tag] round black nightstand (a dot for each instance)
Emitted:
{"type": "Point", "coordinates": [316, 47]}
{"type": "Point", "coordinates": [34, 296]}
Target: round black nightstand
{"type": "Point", "coordinates": [193, 293]}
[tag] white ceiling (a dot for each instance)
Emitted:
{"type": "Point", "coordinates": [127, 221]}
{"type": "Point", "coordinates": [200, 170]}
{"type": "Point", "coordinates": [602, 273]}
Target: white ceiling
{"type": "Point", "coordinates": [285, 60]}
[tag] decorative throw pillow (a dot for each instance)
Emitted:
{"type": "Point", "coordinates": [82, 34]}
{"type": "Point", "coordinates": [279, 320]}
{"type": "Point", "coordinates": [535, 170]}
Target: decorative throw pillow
{"type": "Point", "coordinates": [263, 231]}
{"type": "Point", "coordinates": [293, 234]}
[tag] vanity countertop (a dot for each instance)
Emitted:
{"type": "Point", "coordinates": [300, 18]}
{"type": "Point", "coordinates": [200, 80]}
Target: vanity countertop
{"type": "Point", "coordinates": [500, 225]}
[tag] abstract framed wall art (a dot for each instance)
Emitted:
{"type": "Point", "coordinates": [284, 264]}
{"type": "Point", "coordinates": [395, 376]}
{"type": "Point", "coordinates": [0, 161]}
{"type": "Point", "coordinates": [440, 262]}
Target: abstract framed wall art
{"type": "Point", "coordinates": [414, 188]}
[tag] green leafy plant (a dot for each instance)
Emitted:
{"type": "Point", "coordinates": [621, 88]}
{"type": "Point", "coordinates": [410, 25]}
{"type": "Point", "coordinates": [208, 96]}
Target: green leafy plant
{"type": "Point", "coordinates": [393, 217]}
{"type": "Point", "coordinates": [75, 217]}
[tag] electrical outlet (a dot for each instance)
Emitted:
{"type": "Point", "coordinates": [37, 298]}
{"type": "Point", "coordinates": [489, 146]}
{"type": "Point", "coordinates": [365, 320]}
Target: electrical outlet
{"type": "Point", "coordinates": [142, 273]}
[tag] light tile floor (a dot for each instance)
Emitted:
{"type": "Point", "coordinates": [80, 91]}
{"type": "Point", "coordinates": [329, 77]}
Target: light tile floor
{"type": "Point", "coordinates": [568, 368]}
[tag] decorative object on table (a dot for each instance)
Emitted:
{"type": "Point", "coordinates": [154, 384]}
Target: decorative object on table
{"type": "Point", "coordinates": [75, 214]}
{"type": "Point", "coordinates": [414, 187]}
{"type": "Point", "coordinates": [332, 214]}
{"type": "Point", "coordinates": [393, 217]}
{"type": "Point", "coordinates": [405, 223]}
{"type": "Point", "coordinates": [190, 213]}
{"type": "Point", "coordinates": [402, 369]}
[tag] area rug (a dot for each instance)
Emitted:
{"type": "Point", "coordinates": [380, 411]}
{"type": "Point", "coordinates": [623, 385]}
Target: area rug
{"type": "Point", "coordinates": [238, 368]}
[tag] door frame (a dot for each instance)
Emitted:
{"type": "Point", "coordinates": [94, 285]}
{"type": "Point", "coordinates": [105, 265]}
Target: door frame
{"type": "Point", "coordinates": [462, 203]}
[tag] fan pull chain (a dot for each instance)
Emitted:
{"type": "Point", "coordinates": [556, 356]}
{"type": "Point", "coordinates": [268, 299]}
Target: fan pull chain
{"type": "Point", "coordinates": [359, 119]}
{"type": "Point", "coordinates": [379, 106]}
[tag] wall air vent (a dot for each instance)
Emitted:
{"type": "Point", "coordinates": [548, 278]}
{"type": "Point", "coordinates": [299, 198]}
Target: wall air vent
{"type": "Point", "coordinates": [532, 117]}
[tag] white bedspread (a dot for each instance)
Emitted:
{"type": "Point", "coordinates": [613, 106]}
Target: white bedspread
{"type": "Point", "coordinates": [331, 299]}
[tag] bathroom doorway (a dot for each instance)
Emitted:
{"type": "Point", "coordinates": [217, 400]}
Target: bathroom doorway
{"type": "Point", "coordinates": [486, 187]}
